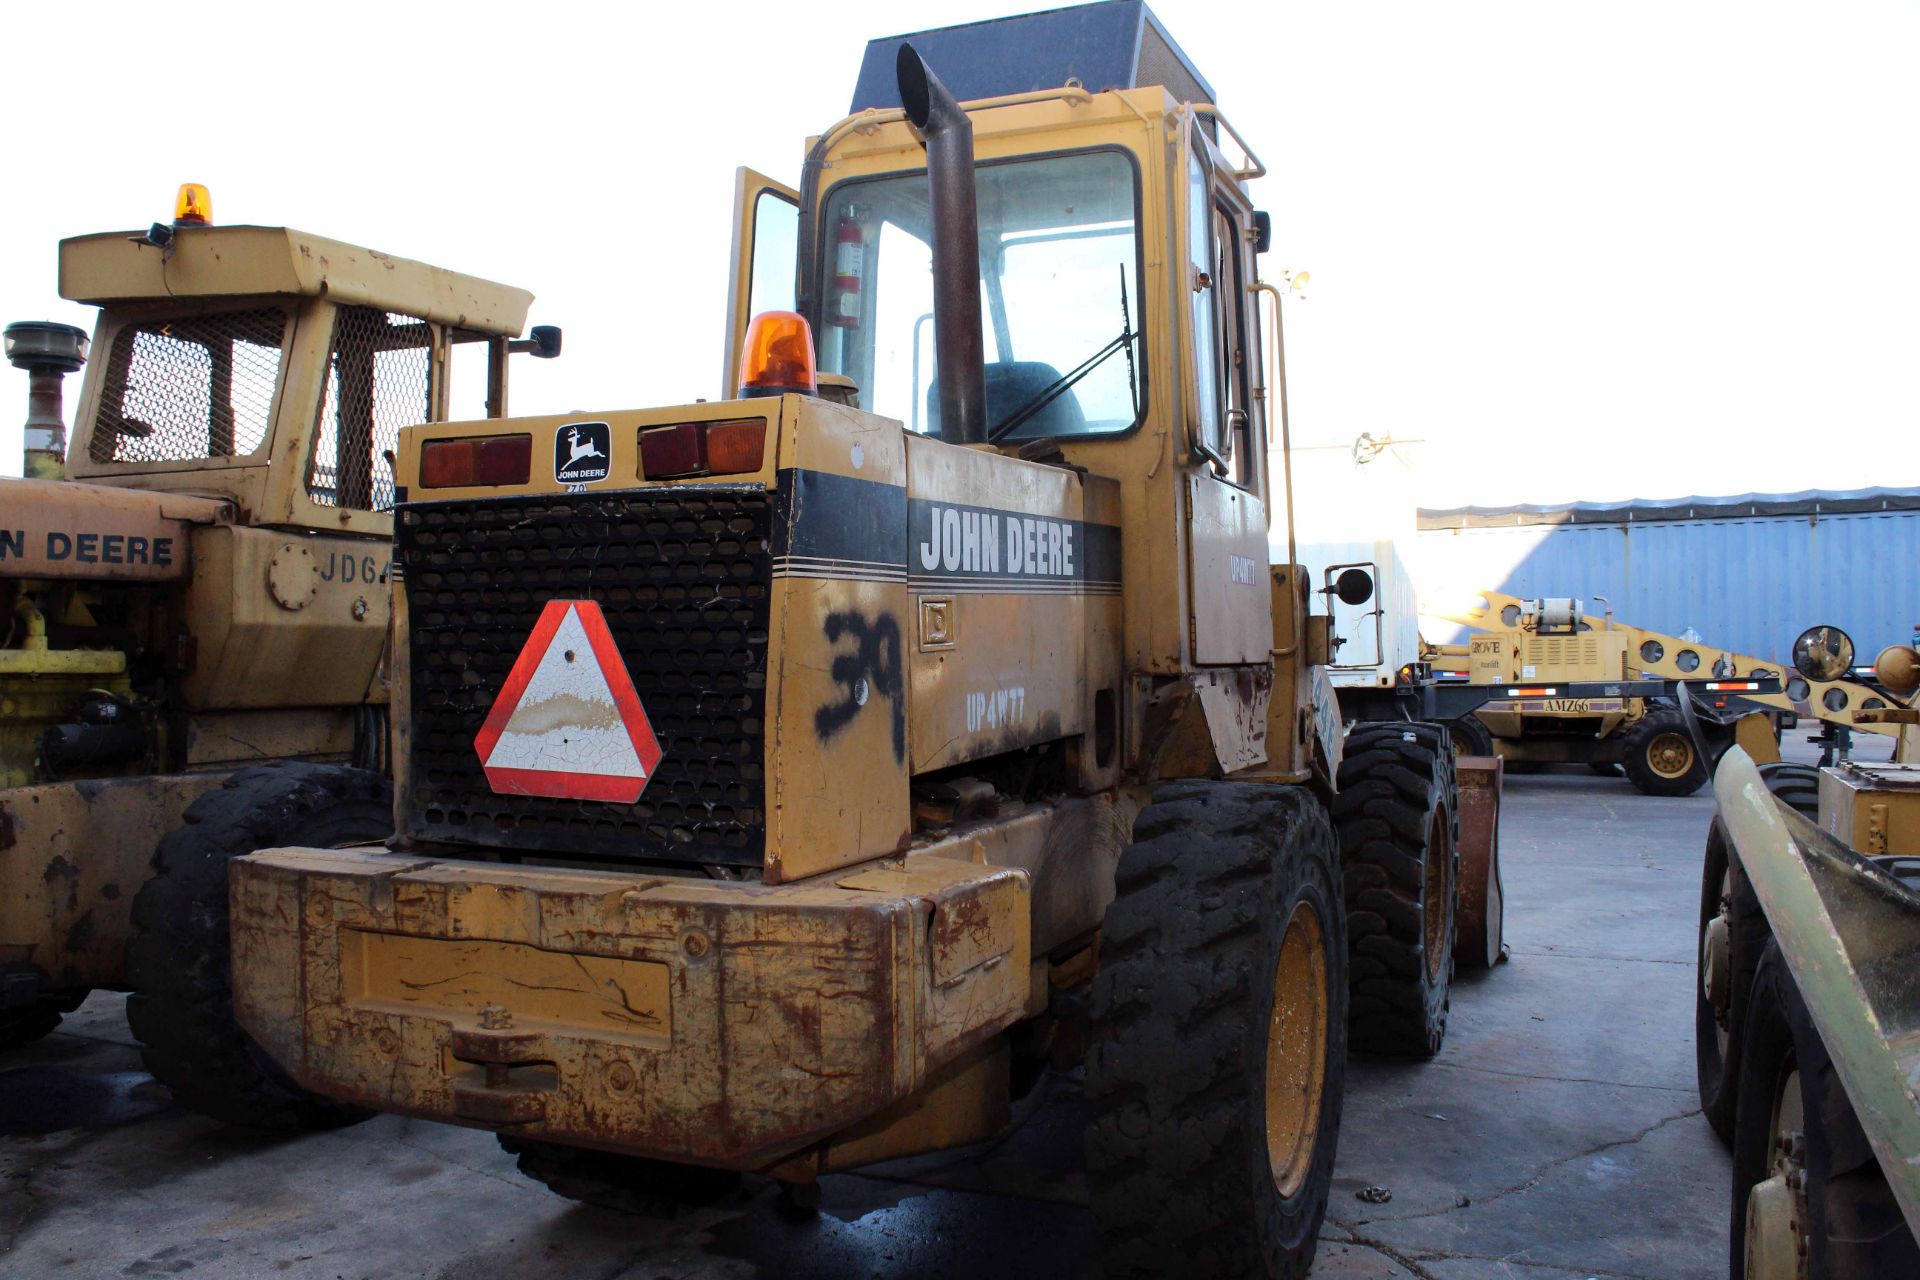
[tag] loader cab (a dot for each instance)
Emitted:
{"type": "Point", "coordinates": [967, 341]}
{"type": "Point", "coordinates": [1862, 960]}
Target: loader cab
{"type": "Point", "coordinates": [1121, 320]}
{"type": "Point", "coordinates": [271, 367]}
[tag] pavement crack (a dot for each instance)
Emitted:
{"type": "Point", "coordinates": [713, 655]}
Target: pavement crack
{"type": "Point", "coordinates": [1412, 1262]}
{"type": "Point", "coordinates": [1540, 1174]}
{"type": "Point", "coordinates": [517, 1180]}
{"type": "Point", "coordinates": [1529, 1075]}
{"type": "Point", "coordinates": [1354, 1236]}
{"type": "Point", "coordinates": [1557, 954]}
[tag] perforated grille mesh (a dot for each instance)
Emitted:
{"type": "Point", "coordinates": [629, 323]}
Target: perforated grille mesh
{"type": "Point", "coordinates": [682, 575]}
{"type": "Point", "coordinates": [377, 383]}
{"type": "Point", "coordinates": [199, 387]}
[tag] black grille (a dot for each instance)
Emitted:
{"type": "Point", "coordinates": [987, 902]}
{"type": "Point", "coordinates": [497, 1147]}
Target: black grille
{"type": "Point", "coordinates": [682, 575]}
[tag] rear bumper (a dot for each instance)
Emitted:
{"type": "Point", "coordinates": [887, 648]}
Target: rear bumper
{"type": "Point", "coordinates": [715, 1022]}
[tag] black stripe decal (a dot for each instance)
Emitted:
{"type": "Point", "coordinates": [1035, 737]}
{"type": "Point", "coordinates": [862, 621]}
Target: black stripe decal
{"type": "Point", "coordinates": [833, 526]}
{"type": "Point", "coordinates": [838, 518]}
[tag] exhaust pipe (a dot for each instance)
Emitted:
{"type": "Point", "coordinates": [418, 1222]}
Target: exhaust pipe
{"type": "Point", "coordinates": [959, 350]}
{"type": "Point", "coordinates": [48, 352]}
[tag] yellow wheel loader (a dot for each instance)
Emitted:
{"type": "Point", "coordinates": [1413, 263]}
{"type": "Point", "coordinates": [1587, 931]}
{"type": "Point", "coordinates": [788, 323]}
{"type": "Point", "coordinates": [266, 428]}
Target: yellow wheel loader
{"type": "Point", "coordinates": [198, 589]}
{"type": "Point", "coordinates": [781, 780]}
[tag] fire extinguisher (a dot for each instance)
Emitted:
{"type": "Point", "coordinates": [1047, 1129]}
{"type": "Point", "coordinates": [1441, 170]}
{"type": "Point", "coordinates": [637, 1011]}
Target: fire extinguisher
{"type": "Point", "coordinates": [849, 264]}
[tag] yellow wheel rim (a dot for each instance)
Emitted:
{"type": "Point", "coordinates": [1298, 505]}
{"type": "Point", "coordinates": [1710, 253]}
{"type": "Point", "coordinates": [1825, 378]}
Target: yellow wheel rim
{"type": "Point", "coordinates": [1670, 755]}
{"type": "Point", "coordinates": [1296, 1050]}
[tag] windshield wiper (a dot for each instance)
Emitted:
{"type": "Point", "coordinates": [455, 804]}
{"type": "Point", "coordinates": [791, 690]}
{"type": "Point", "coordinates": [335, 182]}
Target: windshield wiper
{"type": "Point", "coordinates": [1053, 390]}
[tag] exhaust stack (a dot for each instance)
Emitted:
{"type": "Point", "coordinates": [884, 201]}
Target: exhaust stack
{"type": "Point", "coordinates": [959, 350]}
{"type": "Point", "coordinates": [48, 352]}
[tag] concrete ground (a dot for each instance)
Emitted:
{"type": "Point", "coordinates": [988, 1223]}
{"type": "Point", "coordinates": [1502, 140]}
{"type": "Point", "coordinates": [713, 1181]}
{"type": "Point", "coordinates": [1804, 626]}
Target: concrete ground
{"type": "Point", "coordinates": [1557, 1135]}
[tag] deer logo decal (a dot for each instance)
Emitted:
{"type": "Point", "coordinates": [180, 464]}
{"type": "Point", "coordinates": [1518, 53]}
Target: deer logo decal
{"type": "Point", "coordinates": [580, 452]}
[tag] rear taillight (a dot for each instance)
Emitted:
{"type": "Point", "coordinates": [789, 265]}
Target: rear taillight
{"type": "Point", "coordinates": [476, 461]}
{"type": "Point", "coordinates": [703, 448]}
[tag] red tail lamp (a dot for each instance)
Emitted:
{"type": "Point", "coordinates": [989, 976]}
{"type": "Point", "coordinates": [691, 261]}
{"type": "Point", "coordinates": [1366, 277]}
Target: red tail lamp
{"type": "Point", "coordinates": [778, 356]}
{"type": "Point", "coordinates": [703, 448]}
{"type": "Point", "coordinates": [476, 460]}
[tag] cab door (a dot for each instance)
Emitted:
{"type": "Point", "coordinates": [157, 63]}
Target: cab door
{"type": "Point", "coordinates": [1232, 611]}
{"type": "Point", "coordinates": [766, 239]}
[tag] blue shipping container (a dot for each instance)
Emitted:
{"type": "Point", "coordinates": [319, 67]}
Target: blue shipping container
{"type": "Point", "coordinates": [1747, 573]}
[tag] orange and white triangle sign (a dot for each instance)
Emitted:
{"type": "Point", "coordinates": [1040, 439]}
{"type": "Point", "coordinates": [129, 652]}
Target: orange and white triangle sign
{"type": "Point", "coordinates": [567, 722]}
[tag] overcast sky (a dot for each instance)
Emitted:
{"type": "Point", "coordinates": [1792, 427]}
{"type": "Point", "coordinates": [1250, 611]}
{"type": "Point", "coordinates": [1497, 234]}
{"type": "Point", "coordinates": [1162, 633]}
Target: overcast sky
{"type": "Point", "coordinates": [1582, 251]}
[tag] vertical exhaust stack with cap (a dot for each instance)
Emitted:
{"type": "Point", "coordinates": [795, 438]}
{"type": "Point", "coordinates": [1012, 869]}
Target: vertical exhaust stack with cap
{"type": "Point", "coordinates": [959, 350]}
{"type": "Point", "coordinates": [48, 352]}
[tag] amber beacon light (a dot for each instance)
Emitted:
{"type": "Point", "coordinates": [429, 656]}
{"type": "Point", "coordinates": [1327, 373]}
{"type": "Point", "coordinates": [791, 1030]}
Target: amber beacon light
{"type": "Point", "coordinates": [193, 207]}
{"type": "Point", "coordinates": [778, 356]}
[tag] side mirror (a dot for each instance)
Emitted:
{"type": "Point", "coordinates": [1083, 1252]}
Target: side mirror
{"type": "Point", "coordinates": [1823, 653]}
{"type": "Point", "coordinates": [1353, 586]}
{"type": "Point", "coordinates": [542, 342]}
{"type": "Point", "coordinates": [1262, 231]}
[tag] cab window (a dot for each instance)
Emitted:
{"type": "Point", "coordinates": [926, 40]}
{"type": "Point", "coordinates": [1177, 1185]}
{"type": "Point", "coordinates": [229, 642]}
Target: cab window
{"type": "Point", "coordinates": [1059, 296]}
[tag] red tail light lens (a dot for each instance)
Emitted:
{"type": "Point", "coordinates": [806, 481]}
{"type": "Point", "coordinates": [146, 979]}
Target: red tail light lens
{"type": "Point", "coordinates": [703, 448]}
{"type": "Point", "coordinates": [734, 447]}
{"type": "Point", "coordinates": [477, 460]}
{"type": "Point", "coordinates": [672, 451]}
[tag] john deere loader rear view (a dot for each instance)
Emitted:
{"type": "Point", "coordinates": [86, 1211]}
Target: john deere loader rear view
{"type": "Point", "coordinates": [197, 590]}
{"type": "Point", "coordinates": [782, 781]}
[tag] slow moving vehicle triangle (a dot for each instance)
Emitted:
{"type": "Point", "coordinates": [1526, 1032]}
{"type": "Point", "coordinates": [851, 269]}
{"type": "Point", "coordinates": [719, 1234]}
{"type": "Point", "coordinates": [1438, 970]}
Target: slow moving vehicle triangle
{"type": "Point", "coordinates": [568, 723]}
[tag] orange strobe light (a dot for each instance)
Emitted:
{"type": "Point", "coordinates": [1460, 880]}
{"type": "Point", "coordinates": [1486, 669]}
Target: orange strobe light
{"type": "Point", "coordinates": [193, 207]}
{"type": "Point", "coordinates": [778, 356]}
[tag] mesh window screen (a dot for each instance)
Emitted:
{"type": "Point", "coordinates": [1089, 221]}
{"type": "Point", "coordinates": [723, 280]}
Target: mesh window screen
{"type": "Point", "coordinates": [377, 382]}
{"type": "Point", "coordinates": [200, 387]}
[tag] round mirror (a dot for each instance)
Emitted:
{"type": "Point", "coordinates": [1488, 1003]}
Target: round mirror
{"type": "Point", "coordinates": [1823, 653]}
{"type": "Point", "coordinates": [1353, 586]}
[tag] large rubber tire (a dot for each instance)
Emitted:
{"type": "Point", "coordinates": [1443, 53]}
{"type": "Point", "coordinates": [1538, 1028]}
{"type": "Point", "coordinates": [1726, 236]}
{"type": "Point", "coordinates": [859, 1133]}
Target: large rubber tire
{"type": "Point", "coordinates": [1853, 1225]}
{"type": "Point", "coordinates": [1396, 810]}
{"type": "Point", "coordinates": [625, 1184]}
{"type": "Point", "coordinates": [1717, 1033]}
{"type": "Point", "coordinates": [1227, 907]}
{"type": "Point", "coordinates": [179, 962]}
{"type": "Point", "coordinates": [1724, 891]}
{"type": "Point", "coordinates": [1471, 737]}
{"type": "Point", "coordinates": [1653, 737]}
{"type": "Point", "coordinates": [23, 1026]}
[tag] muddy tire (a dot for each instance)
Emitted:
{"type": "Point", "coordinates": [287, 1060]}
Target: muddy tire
{"type": "Point", "coordinates": [1845, 1210]}
{"type": "Point", "coordinates": [624, 1184]}
{"type": "Point", "coordinates": [23, 1026]}
{"type": "Point", "coordinates": [180, 964]}
{"type": "Point", "coordinates": [1659, 756]}
{"type": "Point", "coordinates": [1396, 814]}
{"type": "Point", "coordinates": [1732, 934]}
{"type": "Point", "coordinates": [1217, 1068]}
